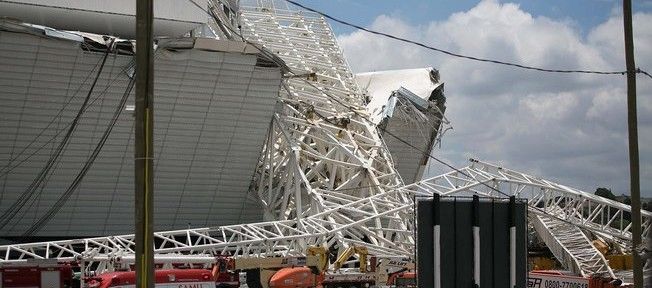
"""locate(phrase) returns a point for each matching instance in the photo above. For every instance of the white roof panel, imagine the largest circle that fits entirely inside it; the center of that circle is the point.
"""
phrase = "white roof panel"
(381, 84)
(114, 17)
(400, 102)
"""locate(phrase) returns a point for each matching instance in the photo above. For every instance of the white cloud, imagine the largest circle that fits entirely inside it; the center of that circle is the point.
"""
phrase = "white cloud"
(570, 128)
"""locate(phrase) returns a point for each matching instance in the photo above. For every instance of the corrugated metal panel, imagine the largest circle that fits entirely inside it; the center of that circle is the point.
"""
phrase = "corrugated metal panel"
(212, 113)
(400, 103)
(409, 125)
(380, 85)
(115, 17)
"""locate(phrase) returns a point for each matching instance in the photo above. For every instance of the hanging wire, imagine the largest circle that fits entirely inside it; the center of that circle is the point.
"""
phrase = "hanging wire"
(8, 215)
(56, 135)
(266, 53)
(638, 70)
(61, 201)
(473, 58)
(52, 121)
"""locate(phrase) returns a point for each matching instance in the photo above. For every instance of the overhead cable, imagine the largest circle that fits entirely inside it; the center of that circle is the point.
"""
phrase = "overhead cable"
(346, 105)
(429, 155)
(61, 201)
(52, 121)
(53, 137)
(8, 215)
(473, 58)
(638, 70)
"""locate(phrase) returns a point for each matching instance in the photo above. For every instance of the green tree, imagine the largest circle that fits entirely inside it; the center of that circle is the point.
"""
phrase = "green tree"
(606, 193)
(627, 201)
(648, 207)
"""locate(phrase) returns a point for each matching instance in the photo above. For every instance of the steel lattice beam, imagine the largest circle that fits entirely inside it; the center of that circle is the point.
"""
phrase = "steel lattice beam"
(325, 176)
(570, 246)
(322, 152)
(286, 238)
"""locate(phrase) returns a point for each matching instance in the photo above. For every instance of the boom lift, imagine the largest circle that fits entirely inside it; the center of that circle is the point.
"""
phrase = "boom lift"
(261, 272)
(396, 272)
(392, 271)
(320, 252)
(348, 252)
(363, 278)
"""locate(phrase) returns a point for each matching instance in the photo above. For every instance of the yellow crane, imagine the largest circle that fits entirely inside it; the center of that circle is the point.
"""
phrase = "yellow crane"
(348, 252)
(320, 252)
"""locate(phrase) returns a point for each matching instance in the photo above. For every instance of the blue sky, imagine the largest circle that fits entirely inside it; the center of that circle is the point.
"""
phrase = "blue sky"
(582, 13)
(571, 129)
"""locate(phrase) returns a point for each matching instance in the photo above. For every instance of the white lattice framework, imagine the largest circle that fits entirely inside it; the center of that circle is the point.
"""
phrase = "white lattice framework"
(326, 178)
(288, 237)
(320, 154)
(561, 215)
(570, 246)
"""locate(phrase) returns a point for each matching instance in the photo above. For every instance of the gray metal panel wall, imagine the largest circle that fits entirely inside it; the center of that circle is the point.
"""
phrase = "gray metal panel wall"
(408, 124)
(457, 243)
(212, 111)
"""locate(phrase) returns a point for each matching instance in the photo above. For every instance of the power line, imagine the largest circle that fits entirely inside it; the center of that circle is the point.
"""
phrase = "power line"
(346, 105)
(65, 105)
(8, 215)
(87, 165)
(8, 170)
(473, 58)
(521, 66)
(638, 70)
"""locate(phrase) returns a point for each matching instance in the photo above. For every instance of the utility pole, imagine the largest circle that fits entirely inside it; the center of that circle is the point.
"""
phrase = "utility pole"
(633, 142)
(144, 145)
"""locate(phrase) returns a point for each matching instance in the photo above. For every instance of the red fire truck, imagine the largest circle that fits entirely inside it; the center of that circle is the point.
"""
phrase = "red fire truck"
(169, 278)
(45, 276)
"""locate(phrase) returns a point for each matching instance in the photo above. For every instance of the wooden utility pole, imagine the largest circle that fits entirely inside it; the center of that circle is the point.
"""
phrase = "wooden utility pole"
(633, 141)
(144, 144)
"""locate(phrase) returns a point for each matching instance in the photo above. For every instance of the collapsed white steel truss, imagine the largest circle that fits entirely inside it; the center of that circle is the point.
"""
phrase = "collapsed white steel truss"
(326, 178)
(570, 246)
(322, 152)
(559, 214)
(290, 237)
